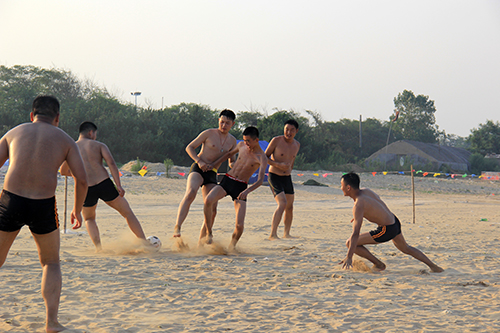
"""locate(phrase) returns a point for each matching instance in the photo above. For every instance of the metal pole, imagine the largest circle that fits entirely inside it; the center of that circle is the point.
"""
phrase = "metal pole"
(413, 191)
(65, 200)
(360, 128)
(386, 145)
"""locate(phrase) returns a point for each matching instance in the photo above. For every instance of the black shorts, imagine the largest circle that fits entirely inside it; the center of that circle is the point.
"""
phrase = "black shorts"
(233, 186)
(105, 191)
(280, 184)
(209, 177)
(385, 233)
(40, 215)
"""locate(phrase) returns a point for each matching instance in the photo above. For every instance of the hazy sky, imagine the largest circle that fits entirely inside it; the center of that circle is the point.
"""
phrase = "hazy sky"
(342, 59)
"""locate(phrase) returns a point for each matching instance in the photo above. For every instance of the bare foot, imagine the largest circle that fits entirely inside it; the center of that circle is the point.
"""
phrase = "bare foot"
(273, 237)
(232, 246)
(378, 268)
(53, 327)
(180, 245)
(289, 236)
(177, 231)
(436, 269)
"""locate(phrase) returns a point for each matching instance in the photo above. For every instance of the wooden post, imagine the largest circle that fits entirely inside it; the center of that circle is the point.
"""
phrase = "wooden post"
(413, 192)
(65, 200)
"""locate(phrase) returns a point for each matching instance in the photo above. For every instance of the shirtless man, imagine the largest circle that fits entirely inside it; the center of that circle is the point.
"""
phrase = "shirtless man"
(214, 142)
(368, 205)
(100, 185)
(235, 183)
(36, 150)
(281, 154)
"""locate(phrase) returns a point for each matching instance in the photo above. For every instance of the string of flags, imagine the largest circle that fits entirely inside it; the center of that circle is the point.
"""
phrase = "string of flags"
(433, 174)
(144, 171)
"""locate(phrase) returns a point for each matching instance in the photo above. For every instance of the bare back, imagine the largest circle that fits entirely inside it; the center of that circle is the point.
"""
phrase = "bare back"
(247, 163)
(282, 151)
(92, 152)
(374, 209)
(36, 151)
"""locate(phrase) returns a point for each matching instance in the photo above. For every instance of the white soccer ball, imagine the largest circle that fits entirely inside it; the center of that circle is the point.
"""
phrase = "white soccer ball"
(155, 241)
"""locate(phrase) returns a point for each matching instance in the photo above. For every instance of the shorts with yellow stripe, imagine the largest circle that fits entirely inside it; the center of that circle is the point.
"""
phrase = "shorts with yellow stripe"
(385, 233)
(209, 177)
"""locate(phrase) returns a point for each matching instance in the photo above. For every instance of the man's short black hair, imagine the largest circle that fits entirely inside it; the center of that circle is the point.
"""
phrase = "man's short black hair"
(87, 126)
(228, 113)
(351, 179)
(45, 105)
(292, 122)
(252, 132)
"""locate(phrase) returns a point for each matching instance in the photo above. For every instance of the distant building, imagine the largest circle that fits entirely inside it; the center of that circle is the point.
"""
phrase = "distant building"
(401, 154)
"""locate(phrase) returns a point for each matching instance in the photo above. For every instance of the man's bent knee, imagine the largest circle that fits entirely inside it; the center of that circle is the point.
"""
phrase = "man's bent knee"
(190, 195)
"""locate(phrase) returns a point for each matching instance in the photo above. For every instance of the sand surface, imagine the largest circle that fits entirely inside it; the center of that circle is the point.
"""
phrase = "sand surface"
(293, 285)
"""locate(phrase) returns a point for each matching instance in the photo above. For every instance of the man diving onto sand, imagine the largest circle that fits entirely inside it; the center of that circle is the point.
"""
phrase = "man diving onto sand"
(368, 205)
(235, 184)
(214, 143)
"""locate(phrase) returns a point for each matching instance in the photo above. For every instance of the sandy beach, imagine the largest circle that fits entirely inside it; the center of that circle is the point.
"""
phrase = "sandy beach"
(292, 285)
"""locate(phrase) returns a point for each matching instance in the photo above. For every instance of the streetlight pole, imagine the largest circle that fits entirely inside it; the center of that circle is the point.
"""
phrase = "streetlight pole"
(136, 93)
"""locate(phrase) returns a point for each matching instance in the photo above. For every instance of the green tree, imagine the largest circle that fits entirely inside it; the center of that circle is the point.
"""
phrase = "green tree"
(479, 163)
(416, 119)
(486, 138)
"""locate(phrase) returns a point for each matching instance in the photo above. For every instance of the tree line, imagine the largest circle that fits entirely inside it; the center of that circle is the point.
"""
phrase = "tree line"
(157, 134)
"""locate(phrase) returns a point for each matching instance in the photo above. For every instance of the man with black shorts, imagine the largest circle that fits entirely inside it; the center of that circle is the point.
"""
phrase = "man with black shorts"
(101, 186)
(35, 151)
(368, 205)
(281, 153)
(214, 143)
(235, 184)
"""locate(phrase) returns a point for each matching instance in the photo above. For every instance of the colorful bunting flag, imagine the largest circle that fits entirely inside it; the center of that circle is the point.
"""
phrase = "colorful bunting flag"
(182, 173)
(300, 174)
(425, 174)
(374, 173)
(316, 174)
